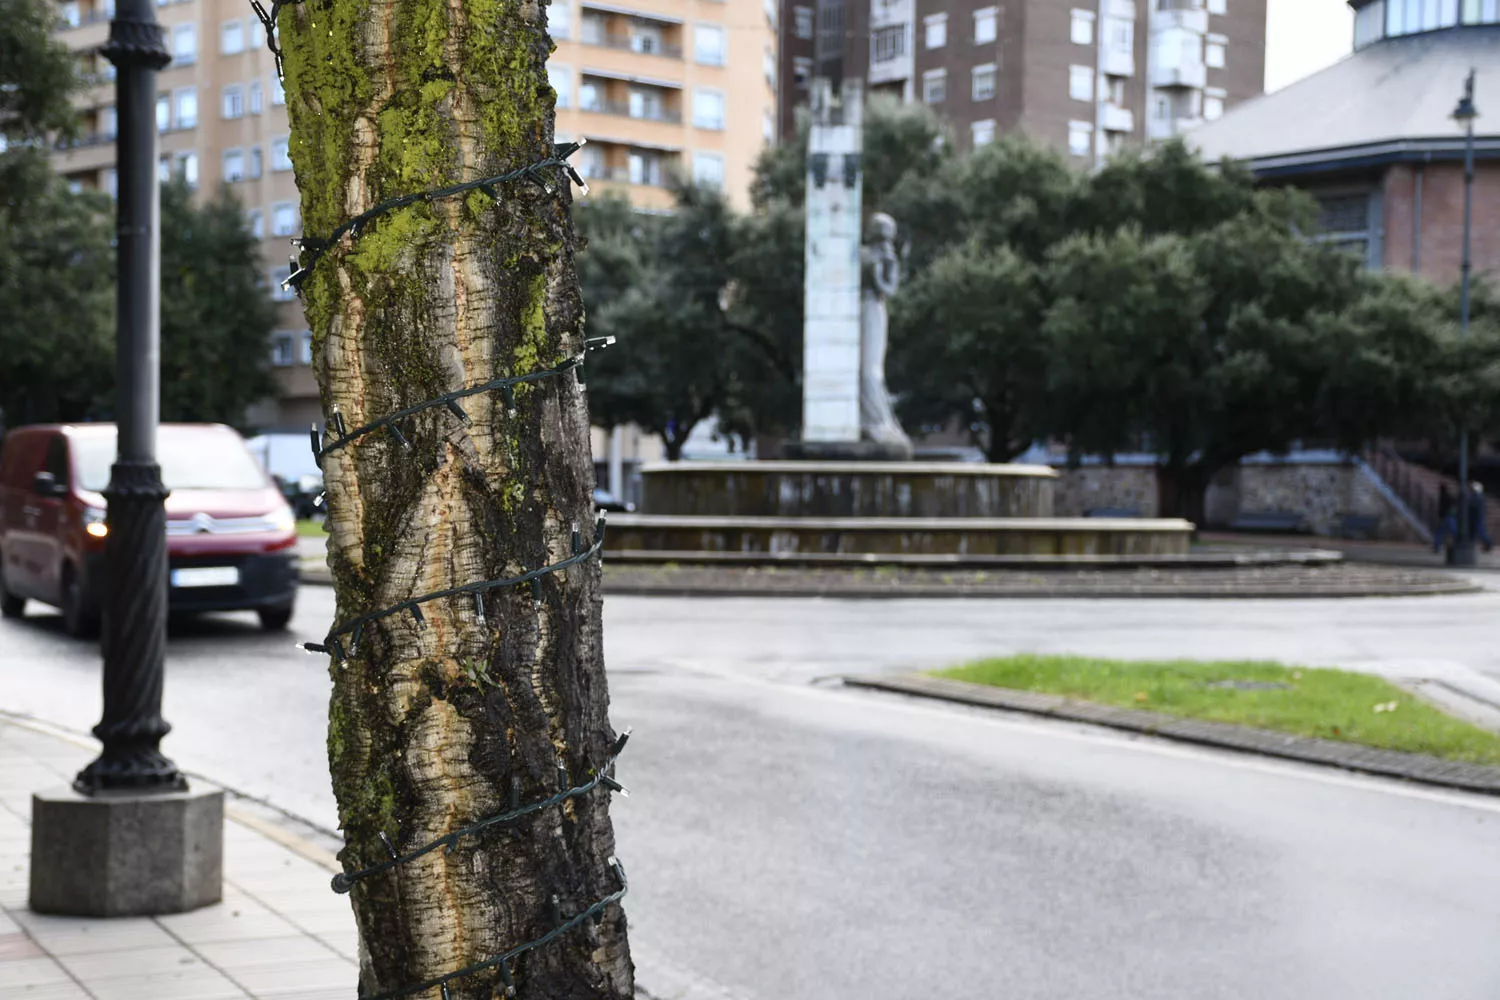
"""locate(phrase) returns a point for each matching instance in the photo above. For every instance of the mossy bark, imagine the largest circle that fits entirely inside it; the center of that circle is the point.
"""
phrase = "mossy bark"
(431, 727)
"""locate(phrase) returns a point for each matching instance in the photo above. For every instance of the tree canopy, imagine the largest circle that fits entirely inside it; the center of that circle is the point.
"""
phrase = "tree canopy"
(1156, 304)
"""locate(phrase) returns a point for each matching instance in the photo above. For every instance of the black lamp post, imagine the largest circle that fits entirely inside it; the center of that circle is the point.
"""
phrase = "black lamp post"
(135, 549)
(1462, 553)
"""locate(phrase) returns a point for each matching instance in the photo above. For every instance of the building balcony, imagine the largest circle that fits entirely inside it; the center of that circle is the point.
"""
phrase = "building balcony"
(622, 109)
(90, 34)
(1117, 62)
(639, 44)
(1160, 129)
(1113, 118)
(83, 141)
(1190, 75)
(1195, 21)
(92, 156)
(1120, 8)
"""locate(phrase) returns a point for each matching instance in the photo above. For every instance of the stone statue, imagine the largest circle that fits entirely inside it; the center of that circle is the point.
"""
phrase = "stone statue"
(881, 273)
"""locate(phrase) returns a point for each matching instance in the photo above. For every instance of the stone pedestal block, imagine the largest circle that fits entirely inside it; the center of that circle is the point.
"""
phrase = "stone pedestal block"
(115, 855)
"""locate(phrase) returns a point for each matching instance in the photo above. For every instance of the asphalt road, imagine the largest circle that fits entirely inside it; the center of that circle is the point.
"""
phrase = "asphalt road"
(793, 840)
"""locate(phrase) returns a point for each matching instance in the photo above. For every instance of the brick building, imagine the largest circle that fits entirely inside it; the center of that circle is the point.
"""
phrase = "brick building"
(1373, 139)
(1086, 76)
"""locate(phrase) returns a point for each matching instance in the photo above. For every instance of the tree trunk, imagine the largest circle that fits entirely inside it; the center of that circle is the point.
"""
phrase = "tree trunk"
(1182, 490)
(439, 722)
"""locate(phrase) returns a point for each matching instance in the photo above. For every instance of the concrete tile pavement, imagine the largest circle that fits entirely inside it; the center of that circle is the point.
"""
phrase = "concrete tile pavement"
(279, 933)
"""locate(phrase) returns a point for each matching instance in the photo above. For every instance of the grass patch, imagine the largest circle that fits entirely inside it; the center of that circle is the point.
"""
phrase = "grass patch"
(1328, 704)
(310, 529)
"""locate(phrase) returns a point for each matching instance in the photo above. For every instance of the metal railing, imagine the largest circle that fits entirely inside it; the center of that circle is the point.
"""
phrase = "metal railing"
(624, 110)
(640, 44)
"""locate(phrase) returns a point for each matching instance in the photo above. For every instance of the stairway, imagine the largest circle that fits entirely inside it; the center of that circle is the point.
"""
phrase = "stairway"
(1418, 487)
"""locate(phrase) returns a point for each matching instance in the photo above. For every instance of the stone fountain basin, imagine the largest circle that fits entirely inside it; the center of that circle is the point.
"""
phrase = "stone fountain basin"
(848, 489)
(957, 536)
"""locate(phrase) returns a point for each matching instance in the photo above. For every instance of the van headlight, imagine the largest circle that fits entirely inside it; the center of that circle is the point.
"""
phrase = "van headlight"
(93, 522)
(281, 520)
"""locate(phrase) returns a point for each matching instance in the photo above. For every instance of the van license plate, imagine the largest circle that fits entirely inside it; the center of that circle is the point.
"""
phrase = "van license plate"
(206, 576)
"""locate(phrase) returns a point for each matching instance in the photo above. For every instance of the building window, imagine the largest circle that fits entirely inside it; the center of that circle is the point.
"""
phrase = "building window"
(646, 38)
(982, 82)
(283, 218)
(281, 158)
(589, 98)
(708, 170)
(109, 180)
(187, 107)
(561, 78)
(254, 162)
(283, 342)
(234, 165)
(768, 68)
(256, 100)
(982, 133)
(185, 44)
(164, 169)
(1081, 83)
(888, 43)
(770, 7)
(1213, 108)
(257, 34)
(984, 26)
(1475, 12)
(1213, 55)
(935, 86)
(256, 223)
(646, 102)
(708, 109)
(560, 19)
(802, 22)
(708, 44)
(109, 122)
(1080, 138)
(1083, 27)
(935, 31)
(594, 29)
(187, 168)
(307, 347)
(234, 101)
(645, 167)
(278, 93)
(231, 38)
(591, 163)
(163, 113)
(768, 126)
(70, 13)
(802, 67)
(1218, 7)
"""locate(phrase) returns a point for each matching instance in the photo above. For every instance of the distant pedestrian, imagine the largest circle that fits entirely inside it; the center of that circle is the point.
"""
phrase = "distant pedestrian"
(1447, 519)
(1479, 529)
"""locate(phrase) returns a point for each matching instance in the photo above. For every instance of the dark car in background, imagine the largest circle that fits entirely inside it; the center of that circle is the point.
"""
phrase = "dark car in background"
(231, 538)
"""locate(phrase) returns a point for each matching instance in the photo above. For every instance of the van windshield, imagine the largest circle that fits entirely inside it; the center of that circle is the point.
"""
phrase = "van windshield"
(191, 459)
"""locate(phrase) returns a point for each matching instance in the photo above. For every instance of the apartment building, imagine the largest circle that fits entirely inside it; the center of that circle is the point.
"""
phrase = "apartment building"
(658, 87)
(1087, 76)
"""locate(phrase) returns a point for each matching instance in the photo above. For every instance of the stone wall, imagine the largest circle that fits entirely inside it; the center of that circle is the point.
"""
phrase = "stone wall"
(1095, 487)
(1320, 491)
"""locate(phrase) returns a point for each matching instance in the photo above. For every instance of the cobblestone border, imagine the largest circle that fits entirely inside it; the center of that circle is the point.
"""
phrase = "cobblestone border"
(1329, 753)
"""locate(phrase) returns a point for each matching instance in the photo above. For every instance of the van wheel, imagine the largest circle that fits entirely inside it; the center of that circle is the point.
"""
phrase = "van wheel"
(80, 616)
(11, 606)
(275, 619)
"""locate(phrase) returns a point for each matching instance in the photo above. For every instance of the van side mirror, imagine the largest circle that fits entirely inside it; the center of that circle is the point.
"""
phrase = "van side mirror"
(44, 484)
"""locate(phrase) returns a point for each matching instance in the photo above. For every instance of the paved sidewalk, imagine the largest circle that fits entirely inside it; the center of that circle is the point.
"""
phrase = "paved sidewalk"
(279, 933)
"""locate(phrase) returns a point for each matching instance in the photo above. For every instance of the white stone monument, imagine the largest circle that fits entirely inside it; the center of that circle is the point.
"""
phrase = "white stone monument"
(830, 351)
(846, 411)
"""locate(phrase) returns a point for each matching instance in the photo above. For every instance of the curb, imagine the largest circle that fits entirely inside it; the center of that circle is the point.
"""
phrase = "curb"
(1328, 753)
(1448, 587)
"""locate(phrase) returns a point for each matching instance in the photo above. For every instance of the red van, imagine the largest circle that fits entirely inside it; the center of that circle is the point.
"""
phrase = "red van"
(231, 539)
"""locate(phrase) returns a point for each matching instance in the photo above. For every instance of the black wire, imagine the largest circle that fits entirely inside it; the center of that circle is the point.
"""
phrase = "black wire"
(520, 949)
(268, 21)
(344, 881)
(314, 248)
(592, 344)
